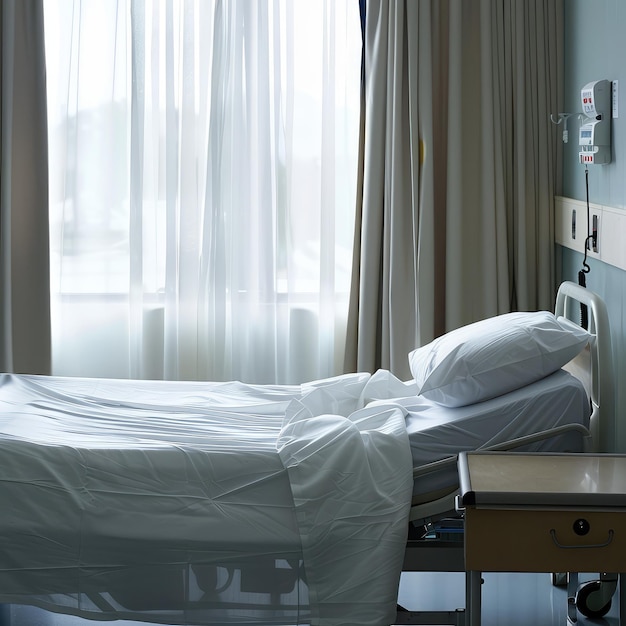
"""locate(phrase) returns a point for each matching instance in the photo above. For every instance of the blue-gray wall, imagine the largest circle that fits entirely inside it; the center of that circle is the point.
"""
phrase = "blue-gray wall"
(595, 48)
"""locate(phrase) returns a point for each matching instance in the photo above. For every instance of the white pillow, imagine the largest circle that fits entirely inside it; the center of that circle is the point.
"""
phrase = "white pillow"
(494, 356)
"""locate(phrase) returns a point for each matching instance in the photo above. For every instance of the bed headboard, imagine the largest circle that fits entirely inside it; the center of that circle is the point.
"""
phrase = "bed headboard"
(594, 366)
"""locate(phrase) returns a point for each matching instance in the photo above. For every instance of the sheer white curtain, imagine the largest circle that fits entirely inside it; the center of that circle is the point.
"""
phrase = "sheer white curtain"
(203, 174)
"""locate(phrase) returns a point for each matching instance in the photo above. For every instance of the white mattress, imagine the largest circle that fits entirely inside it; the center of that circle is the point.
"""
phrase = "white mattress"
(229, 503)
(437, 432)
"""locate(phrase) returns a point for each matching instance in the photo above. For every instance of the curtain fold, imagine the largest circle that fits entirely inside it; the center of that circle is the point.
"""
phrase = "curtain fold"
(24, 243)
(460, 167)
(204, 187)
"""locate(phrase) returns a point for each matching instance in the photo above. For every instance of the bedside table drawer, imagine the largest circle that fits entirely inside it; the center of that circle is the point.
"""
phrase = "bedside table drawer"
(518, 540)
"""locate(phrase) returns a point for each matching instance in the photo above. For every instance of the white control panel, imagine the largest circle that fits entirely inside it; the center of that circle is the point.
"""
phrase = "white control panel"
(594, 136)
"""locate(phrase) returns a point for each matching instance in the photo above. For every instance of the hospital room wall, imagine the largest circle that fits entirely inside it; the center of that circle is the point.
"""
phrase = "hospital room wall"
(595, 48)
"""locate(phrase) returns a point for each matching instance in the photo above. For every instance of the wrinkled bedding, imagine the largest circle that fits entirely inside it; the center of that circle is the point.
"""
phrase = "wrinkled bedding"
(195, 502)
(202, 502)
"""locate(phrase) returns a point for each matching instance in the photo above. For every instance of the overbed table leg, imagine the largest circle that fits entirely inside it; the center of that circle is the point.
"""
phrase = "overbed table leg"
(572, 586)
(473, 597)
(622, 598)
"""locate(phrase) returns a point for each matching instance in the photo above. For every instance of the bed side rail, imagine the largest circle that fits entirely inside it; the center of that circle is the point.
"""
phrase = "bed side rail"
(518, 442)
(445, 504)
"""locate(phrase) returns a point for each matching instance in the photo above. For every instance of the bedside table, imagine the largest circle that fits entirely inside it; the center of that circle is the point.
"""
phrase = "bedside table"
(543, 513)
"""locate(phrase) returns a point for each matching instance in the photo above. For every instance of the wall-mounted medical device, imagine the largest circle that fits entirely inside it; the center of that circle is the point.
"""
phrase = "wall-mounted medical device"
(594, 136)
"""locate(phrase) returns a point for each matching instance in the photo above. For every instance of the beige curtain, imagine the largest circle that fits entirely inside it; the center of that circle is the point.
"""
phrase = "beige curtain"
(24, 263)
(459, 170)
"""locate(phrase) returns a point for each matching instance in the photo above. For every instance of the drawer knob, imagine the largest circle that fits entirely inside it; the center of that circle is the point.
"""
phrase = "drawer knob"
(581, 526)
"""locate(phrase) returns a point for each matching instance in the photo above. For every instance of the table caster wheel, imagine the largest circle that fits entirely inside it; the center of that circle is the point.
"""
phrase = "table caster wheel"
(590, 600)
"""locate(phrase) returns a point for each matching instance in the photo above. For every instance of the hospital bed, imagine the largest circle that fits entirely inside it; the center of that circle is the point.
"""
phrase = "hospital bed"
(220, 503)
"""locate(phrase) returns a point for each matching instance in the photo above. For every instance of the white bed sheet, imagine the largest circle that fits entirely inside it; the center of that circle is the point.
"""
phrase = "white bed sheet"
(202, 503)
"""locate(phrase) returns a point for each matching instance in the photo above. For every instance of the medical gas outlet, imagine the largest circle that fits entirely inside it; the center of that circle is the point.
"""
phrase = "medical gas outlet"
(595, 132)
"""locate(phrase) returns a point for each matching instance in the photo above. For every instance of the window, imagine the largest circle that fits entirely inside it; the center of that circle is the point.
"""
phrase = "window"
(202, 182)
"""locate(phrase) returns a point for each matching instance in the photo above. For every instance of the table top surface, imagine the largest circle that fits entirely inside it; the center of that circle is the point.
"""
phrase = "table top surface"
(548, 479)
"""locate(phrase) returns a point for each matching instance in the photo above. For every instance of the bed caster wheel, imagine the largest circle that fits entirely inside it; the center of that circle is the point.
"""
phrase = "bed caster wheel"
(590, 600)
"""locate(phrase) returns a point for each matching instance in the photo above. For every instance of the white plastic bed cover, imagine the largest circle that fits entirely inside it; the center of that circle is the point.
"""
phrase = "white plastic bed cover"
(197, 503)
